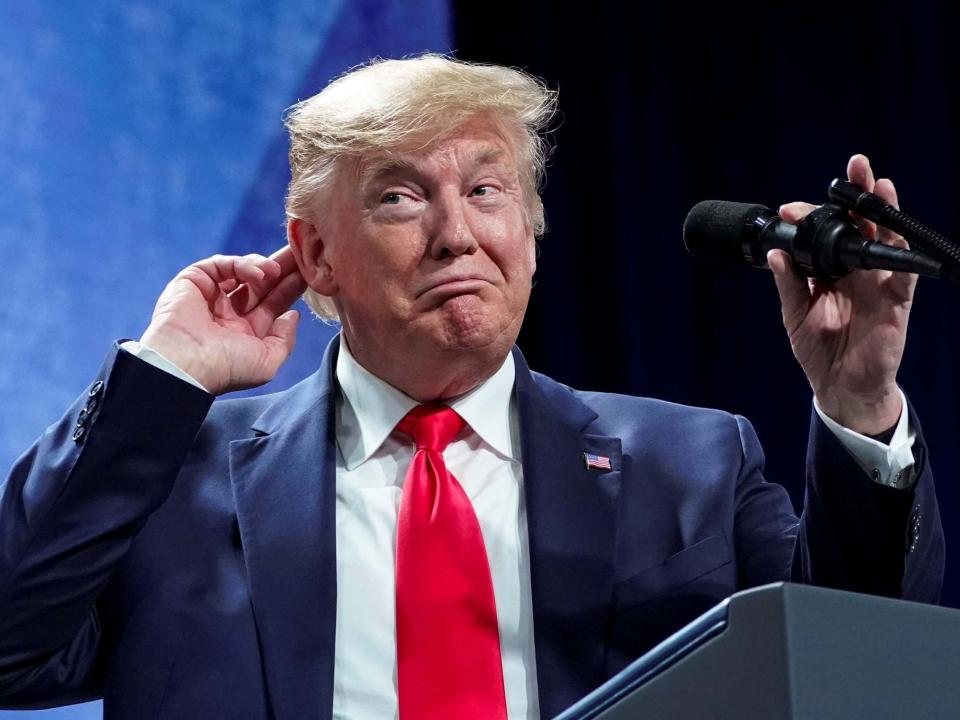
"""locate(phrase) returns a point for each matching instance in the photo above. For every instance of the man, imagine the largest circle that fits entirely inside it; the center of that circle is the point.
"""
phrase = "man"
(252, 558)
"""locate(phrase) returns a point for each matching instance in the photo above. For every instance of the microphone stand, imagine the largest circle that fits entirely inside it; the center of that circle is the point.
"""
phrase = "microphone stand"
(872, 207)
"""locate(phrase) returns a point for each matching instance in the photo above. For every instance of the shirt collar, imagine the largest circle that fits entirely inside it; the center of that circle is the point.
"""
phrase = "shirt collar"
(370, 408)
(488, 410)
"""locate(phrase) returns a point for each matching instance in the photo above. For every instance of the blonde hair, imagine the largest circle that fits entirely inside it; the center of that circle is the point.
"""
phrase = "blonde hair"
(389, 106)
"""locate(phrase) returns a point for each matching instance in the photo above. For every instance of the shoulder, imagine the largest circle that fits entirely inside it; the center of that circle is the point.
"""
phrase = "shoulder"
(241, 410)
(653, 421)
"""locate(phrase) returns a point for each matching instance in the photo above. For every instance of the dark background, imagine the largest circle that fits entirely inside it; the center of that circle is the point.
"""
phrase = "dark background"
(665, 104)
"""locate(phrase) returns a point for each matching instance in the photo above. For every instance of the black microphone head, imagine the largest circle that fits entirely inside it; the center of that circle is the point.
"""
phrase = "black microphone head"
(715, 230)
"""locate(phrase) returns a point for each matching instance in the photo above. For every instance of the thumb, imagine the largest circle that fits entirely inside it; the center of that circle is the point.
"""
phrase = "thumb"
(285, 328)
(792, 288)
(282, 336)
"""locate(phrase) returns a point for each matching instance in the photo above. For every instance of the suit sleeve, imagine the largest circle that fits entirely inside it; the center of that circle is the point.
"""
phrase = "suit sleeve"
(858, 535)
(69, 510)
(765, 524)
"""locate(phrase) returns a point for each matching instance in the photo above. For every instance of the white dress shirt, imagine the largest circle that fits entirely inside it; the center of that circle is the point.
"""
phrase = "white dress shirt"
(371, 465)
(887, 464)
(485, 457)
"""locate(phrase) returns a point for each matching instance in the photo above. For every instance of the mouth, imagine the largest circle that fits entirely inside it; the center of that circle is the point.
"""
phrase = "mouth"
(462, 285)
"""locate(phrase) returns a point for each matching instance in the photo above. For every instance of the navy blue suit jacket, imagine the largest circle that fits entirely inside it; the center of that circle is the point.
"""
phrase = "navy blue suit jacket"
(178, 558)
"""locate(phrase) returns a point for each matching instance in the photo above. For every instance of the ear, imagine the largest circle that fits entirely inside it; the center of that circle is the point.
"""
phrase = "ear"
(309, 251)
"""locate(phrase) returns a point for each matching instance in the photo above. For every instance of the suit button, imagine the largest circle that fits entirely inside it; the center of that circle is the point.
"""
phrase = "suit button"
(82, 417)
(92, 404)
(913, 530)
(79, 433)
(96, 389)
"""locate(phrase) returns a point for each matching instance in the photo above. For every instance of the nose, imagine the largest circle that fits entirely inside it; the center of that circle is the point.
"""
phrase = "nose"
(451, 235)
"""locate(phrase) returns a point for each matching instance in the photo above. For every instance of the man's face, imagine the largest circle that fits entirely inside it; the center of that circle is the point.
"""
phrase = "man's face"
(433, 253)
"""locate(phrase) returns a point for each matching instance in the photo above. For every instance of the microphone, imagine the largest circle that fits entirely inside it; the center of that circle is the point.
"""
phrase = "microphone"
(825, 245)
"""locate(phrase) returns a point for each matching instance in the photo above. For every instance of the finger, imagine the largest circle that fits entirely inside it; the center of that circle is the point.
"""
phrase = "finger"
(227, 267)
(222, 275)
(885, 190)
(280, 264)
(793, 289)
(796, 211)
(860, 173)
(245, 296)
(276, 302)
(249, 296)
(285, 259)
(280, 340)
(228, 286)
(902, 284)
(208, 287)
(867, 228)
(270, 267)
(284, 327)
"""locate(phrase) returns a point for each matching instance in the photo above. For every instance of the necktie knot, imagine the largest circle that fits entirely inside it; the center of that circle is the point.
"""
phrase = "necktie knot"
(432, 427)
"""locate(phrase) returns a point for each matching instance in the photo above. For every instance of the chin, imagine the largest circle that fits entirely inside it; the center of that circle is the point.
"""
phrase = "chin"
(465, 323)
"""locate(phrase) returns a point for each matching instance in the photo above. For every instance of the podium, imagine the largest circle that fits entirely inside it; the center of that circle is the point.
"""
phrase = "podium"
(794, 652)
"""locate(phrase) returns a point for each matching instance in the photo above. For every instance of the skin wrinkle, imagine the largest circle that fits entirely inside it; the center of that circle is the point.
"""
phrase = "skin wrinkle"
(434, 254)
(409, 106)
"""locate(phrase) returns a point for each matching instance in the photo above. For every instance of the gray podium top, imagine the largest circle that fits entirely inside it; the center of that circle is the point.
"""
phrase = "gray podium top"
(798, 653)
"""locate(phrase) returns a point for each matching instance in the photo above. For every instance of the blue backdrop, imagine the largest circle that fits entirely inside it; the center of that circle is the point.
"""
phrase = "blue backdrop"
(137, 137)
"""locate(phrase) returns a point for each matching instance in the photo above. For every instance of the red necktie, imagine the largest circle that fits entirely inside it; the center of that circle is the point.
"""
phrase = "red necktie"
(448, 645)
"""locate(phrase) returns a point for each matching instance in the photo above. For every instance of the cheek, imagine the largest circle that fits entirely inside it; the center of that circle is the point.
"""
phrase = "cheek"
(380, 268)
(514, 244)
(517, 258)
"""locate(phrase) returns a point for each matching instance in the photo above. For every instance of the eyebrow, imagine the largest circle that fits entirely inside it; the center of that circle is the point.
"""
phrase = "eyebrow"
(490, 156)
(372, 173)
(387, 166)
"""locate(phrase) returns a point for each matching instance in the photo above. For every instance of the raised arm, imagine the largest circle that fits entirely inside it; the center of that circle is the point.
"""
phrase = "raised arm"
(73, 504)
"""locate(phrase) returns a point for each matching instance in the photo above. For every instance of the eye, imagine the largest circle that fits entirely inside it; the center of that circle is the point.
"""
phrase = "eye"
(484, 190)
(391, 198)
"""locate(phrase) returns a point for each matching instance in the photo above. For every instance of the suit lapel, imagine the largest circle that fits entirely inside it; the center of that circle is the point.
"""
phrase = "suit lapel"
(284, 487)
(285, 493)
(572, 528)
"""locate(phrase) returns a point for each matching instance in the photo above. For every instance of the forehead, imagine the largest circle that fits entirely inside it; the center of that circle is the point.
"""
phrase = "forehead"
(474, 144)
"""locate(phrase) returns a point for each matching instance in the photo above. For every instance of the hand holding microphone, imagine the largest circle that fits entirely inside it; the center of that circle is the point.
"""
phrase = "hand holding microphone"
(847, 329)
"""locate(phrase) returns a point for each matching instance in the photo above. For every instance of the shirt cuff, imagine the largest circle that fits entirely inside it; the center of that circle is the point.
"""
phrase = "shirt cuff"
(887, 464)
(149, 355)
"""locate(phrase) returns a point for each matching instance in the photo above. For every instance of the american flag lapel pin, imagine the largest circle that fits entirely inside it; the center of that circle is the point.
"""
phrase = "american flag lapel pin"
(596, 462)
